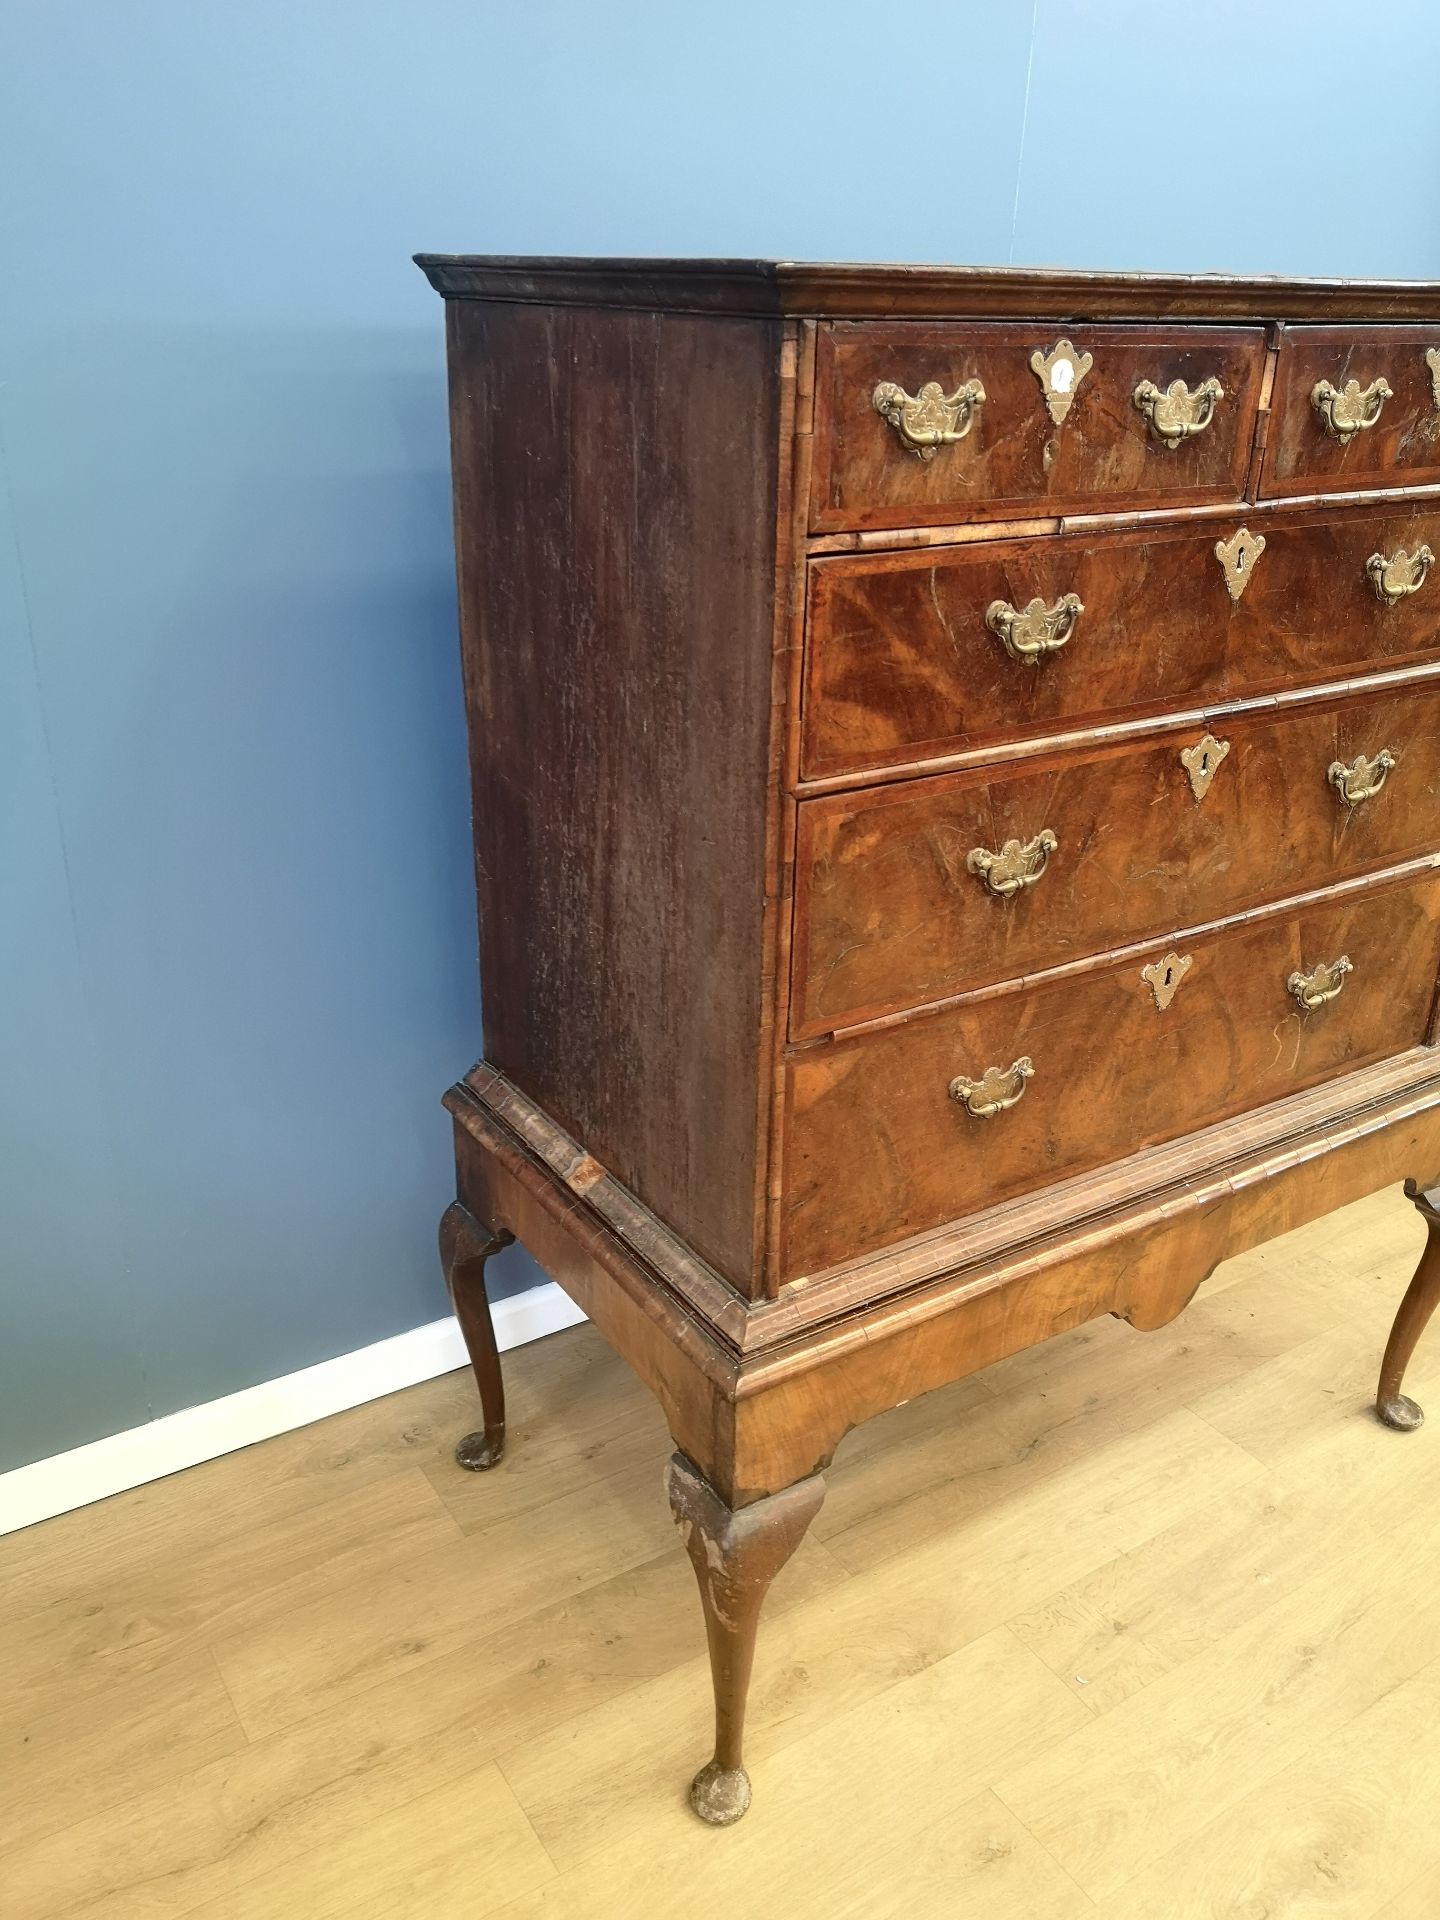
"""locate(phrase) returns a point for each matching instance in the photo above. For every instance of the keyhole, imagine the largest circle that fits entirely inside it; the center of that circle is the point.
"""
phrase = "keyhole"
(1169, 975)
(1205, 762)
(1240, 560)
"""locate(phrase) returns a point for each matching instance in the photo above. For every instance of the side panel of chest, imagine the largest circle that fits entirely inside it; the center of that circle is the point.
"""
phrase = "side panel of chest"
(617, 479)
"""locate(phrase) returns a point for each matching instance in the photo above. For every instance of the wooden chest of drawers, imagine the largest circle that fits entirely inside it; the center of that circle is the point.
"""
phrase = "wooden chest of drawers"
(956, 767)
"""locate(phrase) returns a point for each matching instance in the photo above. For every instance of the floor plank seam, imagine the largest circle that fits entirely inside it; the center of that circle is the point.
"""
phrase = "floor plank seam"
(1090, 1903)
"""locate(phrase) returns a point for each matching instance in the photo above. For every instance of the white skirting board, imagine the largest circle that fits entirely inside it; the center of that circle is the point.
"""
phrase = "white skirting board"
(122, 1460)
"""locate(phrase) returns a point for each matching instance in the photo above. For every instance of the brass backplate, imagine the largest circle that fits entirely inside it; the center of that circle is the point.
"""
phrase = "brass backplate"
(1060, 372)
(1201, 762)
(1163, 976)
(1237, 557)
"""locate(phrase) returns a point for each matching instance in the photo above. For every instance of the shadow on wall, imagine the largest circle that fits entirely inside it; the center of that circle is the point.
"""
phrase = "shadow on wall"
(236, 556)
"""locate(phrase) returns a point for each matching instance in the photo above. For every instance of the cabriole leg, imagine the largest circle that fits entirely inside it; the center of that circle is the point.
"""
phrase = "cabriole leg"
(735, 1555)
(1395, 1408)
(465, 1246)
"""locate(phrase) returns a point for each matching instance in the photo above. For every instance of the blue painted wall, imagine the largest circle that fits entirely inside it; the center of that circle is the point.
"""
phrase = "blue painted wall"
(236, 949)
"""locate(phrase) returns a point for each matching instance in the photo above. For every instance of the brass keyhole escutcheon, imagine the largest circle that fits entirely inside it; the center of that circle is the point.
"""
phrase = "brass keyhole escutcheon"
(1237, 557)
(1163, 977)
(1060, 372)
(1202, 761)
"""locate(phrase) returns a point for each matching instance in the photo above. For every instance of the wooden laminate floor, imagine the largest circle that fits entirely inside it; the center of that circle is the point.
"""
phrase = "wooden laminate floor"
(1143, 1626)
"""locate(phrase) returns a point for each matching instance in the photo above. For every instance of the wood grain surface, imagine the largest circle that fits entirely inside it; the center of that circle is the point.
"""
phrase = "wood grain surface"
(772, 287)
(1404, 444)
(1015, 458)
(878, 1150)
(616, 498)
(1065, 1581)
(902, 665)
(889, 916)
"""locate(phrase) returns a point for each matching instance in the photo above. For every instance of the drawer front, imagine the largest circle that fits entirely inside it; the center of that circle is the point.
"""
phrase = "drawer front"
(1354, 407)
(878, 1148)
(914, 892)
(902, 665)
(877, 461)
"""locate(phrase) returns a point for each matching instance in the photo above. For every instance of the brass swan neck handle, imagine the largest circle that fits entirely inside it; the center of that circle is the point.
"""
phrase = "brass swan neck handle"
(932, 418)
(1401, 574)
(1321, 984)
(997, 1089)
(1351, 409)
(1362, 779)
(1017, 865)
(1174, 412)
(1029, 633)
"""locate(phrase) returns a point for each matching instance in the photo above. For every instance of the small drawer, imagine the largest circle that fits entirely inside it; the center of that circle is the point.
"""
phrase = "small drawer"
(919, 425)
(1353, 407)
(914, 892)
(895, 1131)
(911, 656)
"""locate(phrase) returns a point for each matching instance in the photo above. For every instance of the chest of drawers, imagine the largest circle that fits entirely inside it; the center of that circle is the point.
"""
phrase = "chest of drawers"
(956, 764)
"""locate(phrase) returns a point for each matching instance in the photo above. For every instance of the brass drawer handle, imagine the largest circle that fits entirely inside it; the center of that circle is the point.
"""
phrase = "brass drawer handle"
(1348, 410)
(995, 1090)
(1031, 632)
(1362, 779)
(1177, 414)
(931, 418)
(1321, 984)
(1432, 365)
(1018, 864)
(1403, 573)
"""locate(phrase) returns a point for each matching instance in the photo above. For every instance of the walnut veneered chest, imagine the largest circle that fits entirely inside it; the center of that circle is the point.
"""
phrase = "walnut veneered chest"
(956, 766)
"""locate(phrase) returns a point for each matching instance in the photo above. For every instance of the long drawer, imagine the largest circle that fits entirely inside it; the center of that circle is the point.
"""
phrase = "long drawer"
(922, 423)
(915, 655)
(897, 1130)
(911, 892)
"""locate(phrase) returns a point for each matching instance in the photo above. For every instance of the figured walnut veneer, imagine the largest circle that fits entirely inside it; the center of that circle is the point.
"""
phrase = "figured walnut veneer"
(933, 890)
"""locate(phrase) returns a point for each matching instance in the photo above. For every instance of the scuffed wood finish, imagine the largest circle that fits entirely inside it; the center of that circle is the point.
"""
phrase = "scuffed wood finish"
(491, 1115)
(1422, 1297)
(1076, 1496)
(902, 666)
(1014, 459)
(736, 722)
(465, 1246)
(849, 290)
(616, 491)
(877, 1149)
(755, 1423)
(889, 916)
(735, 1557)
(1403, 445)
(1094, 1208)
(1143, 1266)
